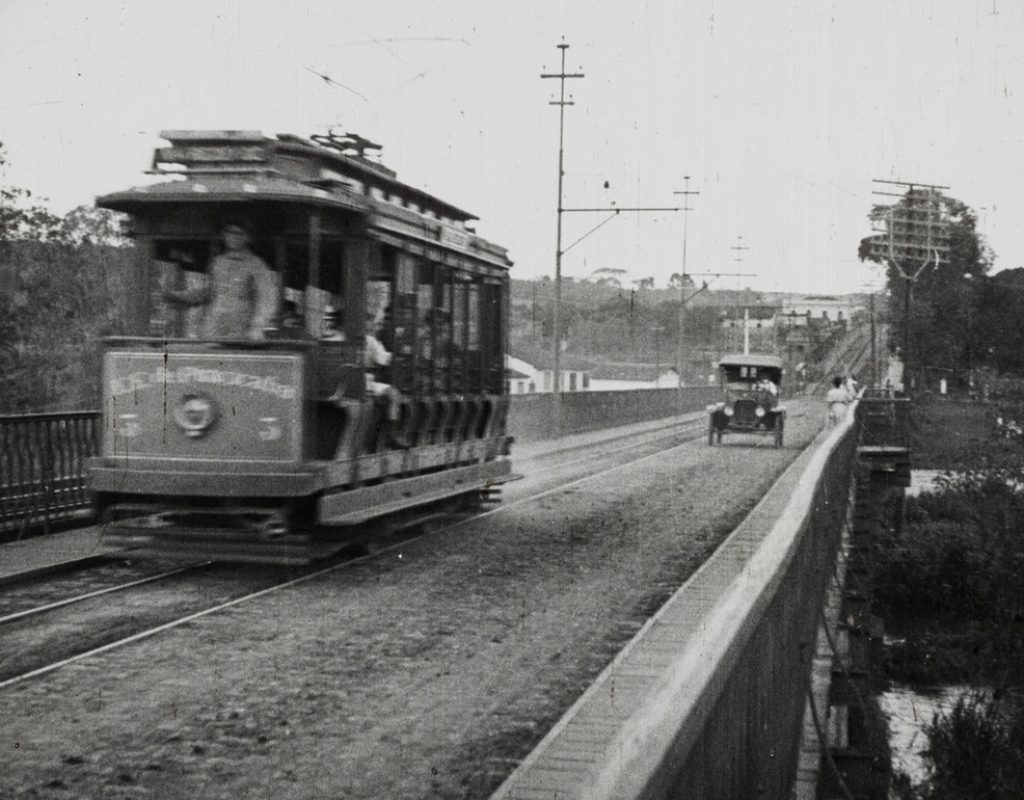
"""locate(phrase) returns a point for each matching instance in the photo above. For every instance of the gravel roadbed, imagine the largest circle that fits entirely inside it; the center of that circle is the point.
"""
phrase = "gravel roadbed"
(429, 670)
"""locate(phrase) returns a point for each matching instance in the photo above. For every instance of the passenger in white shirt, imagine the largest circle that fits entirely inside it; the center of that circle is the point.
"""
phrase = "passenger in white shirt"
(376, 356)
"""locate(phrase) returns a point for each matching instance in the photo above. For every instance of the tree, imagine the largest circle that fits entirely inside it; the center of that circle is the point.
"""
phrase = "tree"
(678, 281)
(60, 278)
(608, 276)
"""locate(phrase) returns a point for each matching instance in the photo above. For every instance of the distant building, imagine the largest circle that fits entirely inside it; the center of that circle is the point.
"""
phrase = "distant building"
(623, 377)
(521, 377)
(827, 307)
(524, 378)
(759, 316)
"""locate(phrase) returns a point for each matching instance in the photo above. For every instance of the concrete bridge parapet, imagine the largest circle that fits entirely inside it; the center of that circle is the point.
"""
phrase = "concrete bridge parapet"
(709, 698)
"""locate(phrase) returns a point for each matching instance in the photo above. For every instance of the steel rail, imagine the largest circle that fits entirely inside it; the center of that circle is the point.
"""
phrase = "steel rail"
(99, 592)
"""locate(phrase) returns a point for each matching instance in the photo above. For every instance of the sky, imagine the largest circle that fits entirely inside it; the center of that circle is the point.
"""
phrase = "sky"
(782, 114)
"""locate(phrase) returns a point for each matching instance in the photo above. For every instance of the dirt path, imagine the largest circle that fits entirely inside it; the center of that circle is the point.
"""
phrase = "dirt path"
(427, 672)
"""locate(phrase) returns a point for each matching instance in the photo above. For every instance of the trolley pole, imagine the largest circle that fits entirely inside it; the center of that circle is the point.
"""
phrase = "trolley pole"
(556, 387)
(682, 278)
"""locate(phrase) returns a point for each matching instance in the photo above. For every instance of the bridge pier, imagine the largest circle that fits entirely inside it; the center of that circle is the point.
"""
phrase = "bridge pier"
(842, 727)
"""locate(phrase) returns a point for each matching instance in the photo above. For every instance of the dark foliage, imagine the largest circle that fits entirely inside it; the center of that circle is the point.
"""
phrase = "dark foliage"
(976, 751)
(60, 278)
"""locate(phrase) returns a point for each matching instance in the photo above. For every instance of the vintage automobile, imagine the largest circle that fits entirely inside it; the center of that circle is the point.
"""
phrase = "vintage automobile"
(750, 402)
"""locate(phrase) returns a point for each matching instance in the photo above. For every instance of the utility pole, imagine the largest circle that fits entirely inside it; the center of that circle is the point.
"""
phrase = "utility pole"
(738, 248)
(874, 354)
(656, 330)
(556, 388)
(682, 278)
(713, 276)
(915, 232)
(556, 408)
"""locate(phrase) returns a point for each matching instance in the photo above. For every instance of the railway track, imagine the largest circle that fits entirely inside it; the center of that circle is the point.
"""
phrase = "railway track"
(28, 653)
(450, 653)
(33, 610)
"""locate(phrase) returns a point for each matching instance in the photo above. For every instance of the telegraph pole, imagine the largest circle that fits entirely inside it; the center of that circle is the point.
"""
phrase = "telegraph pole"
(738, 248)
(682, 278)
(556, 376)
(556, 407)
(918, 233)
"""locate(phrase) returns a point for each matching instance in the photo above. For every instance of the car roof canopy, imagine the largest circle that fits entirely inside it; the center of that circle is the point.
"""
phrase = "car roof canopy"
(750, 360)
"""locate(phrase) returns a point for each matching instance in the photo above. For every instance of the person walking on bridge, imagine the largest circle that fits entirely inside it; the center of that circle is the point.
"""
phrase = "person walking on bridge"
(837, 399)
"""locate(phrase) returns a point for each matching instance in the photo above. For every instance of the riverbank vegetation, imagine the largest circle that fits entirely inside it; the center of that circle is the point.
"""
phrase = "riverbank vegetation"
(950, 586)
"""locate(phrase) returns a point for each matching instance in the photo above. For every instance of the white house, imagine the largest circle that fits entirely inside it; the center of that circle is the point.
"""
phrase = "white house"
(623, 377)
(524, 378)
(830, 307)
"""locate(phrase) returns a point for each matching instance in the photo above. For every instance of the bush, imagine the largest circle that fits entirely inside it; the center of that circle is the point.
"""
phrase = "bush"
(961, 553)
(976, 751)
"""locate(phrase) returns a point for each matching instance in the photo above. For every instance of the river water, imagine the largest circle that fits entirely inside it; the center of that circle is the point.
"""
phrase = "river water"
(909, 711)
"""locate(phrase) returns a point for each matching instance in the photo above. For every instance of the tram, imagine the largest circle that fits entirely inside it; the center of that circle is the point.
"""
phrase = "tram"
(279, 446)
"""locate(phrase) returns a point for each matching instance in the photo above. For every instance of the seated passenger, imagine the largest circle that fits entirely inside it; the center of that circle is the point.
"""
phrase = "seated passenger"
(375, 358)
(240, 293)
(332, 329)
(293, 326)
(768, 392)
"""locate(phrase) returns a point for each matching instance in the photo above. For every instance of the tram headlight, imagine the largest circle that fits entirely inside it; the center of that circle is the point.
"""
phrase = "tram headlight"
(727, 411)
(195, 414)
(759, 412)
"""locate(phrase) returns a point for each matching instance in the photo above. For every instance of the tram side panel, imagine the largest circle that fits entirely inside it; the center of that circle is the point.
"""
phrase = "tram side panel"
(191, 421)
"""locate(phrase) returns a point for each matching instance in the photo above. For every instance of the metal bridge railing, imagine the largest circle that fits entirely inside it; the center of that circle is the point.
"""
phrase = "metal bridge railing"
(884, 420)
(42, 460)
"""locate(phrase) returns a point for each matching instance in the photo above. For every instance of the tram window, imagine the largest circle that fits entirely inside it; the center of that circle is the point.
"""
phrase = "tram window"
(459, 315)
(180, 264)
(473, 332)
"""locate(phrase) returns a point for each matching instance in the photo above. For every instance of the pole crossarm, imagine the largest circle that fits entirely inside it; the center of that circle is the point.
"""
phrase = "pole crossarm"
(911, 184)
(912, 230)
(603, 222)
(617, 209)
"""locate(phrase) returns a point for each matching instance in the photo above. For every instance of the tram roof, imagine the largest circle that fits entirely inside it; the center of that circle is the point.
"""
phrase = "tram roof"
(751, 360)
(211, 166)
(228, 188)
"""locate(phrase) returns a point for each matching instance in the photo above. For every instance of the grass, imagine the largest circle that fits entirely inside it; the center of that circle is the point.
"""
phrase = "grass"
(958, 434)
